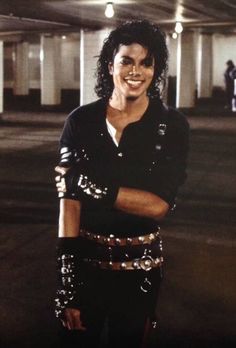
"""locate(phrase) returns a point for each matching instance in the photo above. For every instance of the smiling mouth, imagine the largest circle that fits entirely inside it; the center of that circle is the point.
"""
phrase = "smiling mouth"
(134, 83)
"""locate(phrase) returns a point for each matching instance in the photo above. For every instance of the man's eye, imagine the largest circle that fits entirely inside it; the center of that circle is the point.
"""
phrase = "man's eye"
(148, 62)
(125, 61)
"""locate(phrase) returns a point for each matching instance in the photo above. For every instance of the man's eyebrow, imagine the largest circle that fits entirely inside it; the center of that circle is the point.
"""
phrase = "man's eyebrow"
(127, 57)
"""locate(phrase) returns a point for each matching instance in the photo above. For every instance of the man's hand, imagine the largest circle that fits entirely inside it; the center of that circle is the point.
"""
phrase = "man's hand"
(60, 181)
(72, 319)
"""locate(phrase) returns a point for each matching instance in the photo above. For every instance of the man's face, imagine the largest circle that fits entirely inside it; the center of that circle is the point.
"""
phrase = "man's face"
(132, 71)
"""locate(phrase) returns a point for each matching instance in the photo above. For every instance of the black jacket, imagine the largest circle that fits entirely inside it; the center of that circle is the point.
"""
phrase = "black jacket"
(151, 156)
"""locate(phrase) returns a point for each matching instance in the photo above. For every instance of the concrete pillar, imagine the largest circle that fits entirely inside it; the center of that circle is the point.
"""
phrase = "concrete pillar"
(172, 48)
(50, 62)
(90, 46)
(21, 69)
(186, 79)
(172, 70)
(1, 77)
(205, 66)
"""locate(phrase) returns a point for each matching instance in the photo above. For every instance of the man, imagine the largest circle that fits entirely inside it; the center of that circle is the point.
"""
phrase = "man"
(229, 83)
(126, 155)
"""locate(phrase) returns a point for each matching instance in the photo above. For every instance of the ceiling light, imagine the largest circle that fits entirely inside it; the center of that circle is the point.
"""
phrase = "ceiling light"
(109, 12)
(174, 36)
(178, 27)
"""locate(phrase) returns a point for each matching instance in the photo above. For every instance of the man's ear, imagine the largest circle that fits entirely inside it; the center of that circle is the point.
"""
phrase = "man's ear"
(110, 68)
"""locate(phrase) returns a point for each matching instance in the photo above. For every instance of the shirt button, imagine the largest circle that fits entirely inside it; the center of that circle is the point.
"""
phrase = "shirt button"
(120, 154)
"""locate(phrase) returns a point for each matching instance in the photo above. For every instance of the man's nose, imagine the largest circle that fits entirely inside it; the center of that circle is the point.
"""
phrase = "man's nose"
(135, 69)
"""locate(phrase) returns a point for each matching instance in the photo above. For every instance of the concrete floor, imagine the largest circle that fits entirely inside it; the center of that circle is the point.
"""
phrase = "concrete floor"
(198, 299)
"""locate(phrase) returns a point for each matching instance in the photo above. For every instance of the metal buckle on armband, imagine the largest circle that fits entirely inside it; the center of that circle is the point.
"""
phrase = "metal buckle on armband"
(67, 156)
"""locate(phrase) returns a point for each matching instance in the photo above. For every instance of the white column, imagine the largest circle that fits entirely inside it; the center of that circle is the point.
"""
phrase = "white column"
(50, 62)
(21, 69)
(205, 66)
(90, 47)
(172, 48)
(172, 70)
(1, 76)
(186, 77)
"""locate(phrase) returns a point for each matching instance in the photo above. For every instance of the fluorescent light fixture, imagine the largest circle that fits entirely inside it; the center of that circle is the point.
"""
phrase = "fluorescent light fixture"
(109, 12)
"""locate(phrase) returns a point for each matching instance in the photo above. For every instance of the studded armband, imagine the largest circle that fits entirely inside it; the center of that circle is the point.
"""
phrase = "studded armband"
(69, 279)
(91, 187)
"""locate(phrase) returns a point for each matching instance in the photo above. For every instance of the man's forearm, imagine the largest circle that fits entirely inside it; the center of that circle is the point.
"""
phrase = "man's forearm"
(141, 203)
(69, 218)
(69, 272)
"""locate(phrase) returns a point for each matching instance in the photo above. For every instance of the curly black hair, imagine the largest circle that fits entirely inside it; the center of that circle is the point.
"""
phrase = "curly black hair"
(144, 33)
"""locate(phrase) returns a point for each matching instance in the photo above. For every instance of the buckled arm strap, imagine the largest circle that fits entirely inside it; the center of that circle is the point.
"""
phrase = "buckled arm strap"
(70, 275)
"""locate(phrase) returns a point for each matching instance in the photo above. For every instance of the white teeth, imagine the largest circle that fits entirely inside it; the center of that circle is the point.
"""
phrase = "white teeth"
(134, 83)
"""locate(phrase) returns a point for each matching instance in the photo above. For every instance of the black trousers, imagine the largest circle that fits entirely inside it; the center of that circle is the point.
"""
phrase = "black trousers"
(114, 298)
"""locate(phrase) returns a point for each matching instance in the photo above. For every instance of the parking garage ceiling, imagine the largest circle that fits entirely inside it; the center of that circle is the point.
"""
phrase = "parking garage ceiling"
(71, 15)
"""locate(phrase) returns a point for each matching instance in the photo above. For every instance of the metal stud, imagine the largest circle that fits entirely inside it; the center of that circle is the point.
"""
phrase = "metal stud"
(135, 264)
(129, 241)
(161, 129)
(123, 265)
(147, 263)
(110, 264)
(141, 239)
(151, 236)
(154, 324)
(117, 241)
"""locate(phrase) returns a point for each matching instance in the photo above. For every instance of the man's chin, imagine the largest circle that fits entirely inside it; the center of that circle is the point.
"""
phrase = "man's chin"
(132, 97)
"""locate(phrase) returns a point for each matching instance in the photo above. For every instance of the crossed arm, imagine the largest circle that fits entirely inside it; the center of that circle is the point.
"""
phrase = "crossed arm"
(129, 200)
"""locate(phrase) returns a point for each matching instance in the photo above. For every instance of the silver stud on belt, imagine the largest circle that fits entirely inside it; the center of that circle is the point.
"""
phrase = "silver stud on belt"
(112, 241)
(145, 263)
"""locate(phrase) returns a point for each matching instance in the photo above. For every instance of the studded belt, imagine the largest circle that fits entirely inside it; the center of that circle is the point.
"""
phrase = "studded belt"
(145, 263)
(111, 240)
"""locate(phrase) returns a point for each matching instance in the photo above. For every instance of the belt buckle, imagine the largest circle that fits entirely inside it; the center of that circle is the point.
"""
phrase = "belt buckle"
(146, 262)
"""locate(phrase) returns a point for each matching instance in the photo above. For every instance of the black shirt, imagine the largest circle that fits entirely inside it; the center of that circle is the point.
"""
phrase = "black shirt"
(151, 156)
